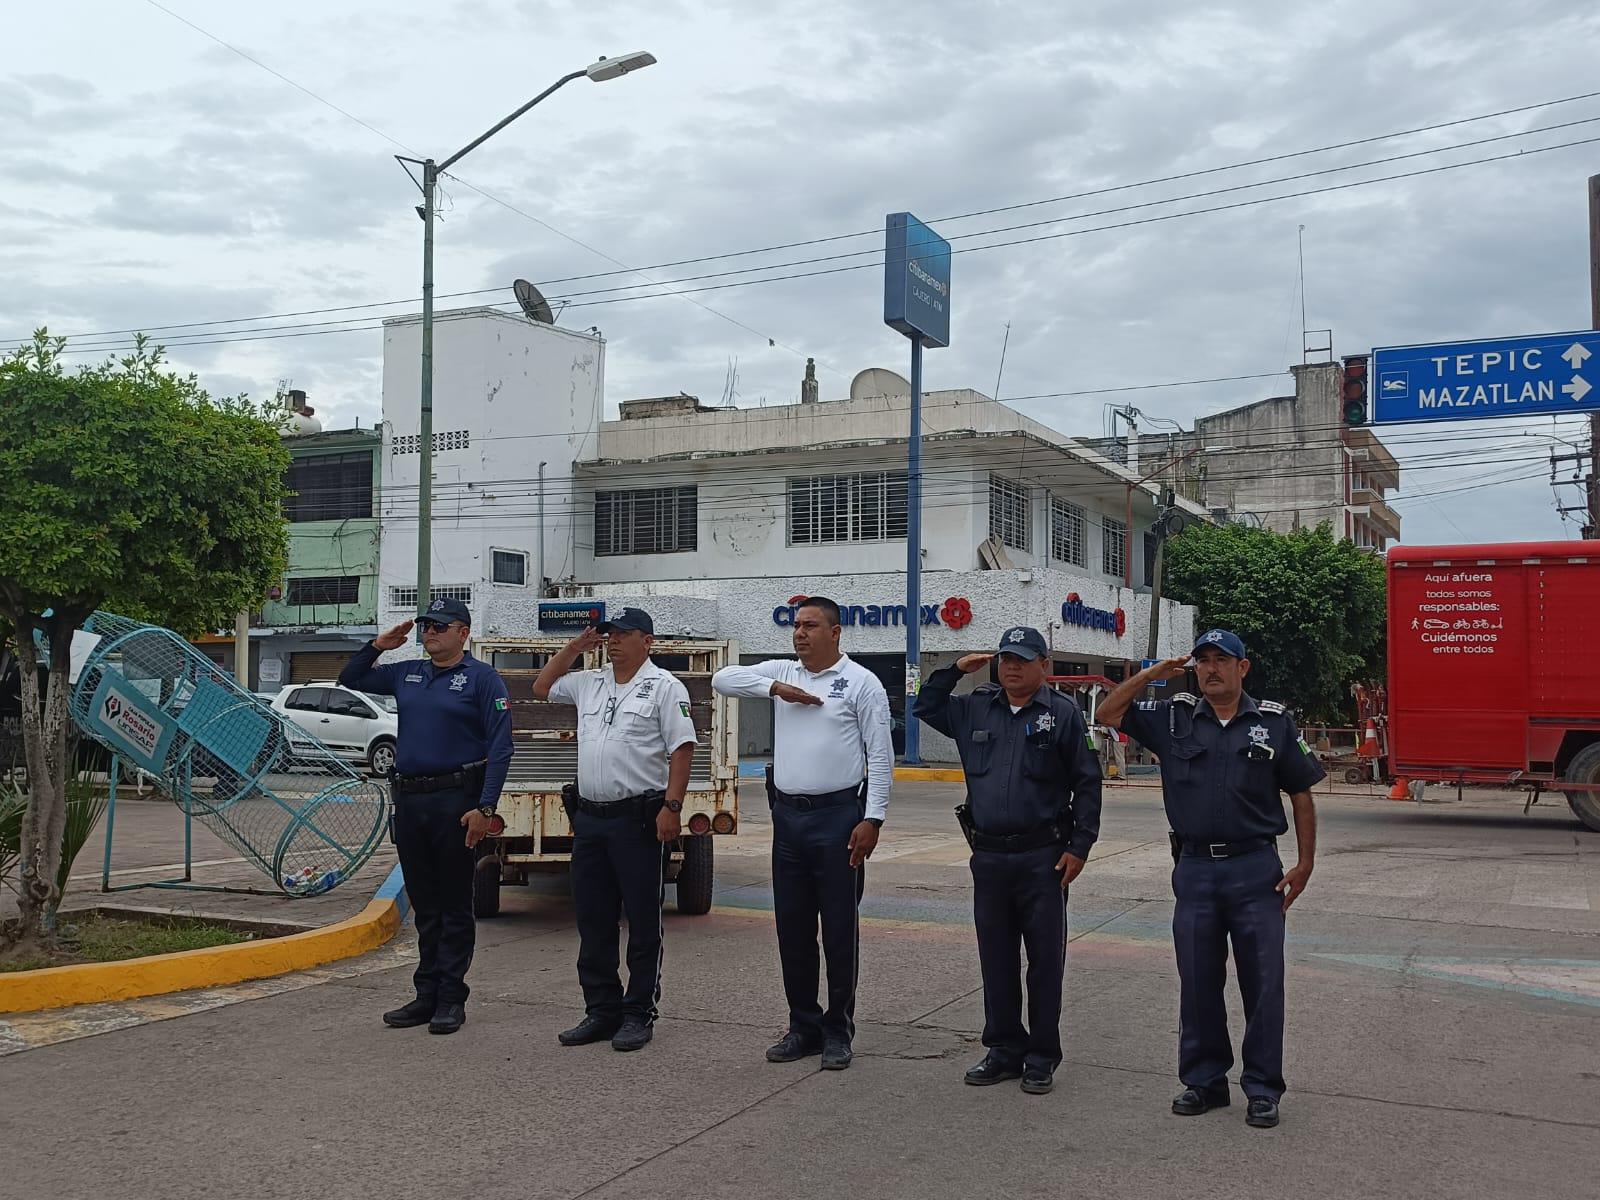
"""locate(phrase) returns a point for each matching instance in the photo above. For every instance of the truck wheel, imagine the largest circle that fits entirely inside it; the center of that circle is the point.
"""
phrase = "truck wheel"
(1353, 775)
(486, 881)
(694, 875)
(1585, 768)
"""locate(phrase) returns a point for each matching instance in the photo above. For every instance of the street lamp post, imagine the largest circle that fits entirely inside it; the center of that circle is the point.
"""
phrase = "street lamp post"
(599, 72)
(1127, 558)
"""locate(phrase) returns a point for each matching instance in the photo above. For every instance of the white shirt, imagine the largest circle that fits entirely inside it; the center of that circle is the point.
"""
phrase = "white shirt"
(829, 746)
(625, 755)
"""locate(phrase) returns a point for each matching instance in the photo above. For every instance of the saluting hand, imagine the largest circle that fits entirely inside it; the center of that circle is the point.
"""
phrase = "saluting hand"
(969, 663)
(794, 695)
(1070, 866)
(1170, 668)
(863, 841)
(394, 638)
(587, 640)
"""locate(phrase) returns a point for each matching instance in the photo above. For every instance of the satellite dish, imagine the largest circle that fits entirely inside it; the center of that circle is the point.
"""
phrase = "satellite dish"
(878, 382)
(534, 306)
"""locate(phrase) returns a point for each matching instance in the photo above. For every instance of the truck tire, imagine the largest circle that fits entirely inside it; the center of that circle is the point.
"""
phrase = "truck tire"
(694, 875)
(1585, 768)
(486, 881)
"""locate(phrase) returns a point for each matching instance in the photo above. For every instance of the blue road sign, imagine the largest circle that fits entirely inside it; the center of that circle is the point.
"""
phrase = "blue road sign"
(1504, 377)
(1145, 664)
(916, 281)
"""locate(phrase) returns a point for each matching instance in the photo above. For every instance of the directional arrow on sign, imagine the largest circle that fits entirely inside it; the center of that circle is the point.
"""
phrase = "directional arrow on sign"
(1578, 388)
(1576, 355)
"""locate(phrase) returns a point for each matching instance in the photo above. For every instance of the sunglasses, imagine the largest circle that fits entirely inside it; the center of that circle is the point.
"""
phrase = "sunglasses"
(436, 626)
(611, 711)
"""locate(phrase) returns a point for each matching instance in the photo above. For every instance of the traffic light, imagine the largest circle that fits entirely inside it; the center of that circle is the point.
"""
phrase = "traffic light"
(1354, 397)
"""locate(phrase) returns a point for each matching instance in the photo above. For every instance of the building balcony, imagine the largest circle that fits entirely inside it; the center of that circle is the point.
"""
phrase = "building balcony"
(1370, 507)
(1374, 457)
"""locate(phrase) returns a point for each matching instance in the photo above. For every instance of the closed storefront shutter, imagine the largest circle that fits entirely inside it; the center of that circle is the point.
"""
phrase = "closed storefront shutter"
(311, 665)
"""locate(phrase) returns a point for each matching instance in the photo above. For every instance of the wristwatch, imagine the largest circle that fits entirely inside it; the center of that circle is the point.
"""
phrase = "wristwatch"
(877, 822)
(487, 810)
(674, 806)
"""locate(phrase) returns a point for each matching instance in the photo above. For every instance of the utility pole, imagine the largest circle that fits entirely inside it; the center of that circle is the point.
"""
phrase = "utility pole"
(1593, 528)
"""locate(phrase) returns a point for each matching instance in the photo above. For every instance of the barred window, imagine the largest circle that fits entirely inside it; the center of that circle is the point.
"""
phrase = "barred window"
(646, 521)
(328, 487)
(411, 443)
(324, 589)
(870, 507)
(1008, 513)
(511, 566)
(1114, 548)
(406, 597)
(1068, 525)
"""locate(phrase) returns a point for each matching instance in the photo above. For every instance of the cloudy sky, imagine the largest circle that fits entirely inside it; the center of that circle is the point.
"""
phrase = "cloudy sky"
(157, 178)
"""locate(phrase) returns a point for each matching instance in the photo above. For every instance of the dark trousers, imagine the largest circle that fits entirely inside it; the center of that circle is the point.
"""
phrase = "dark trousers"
(812, 881)
(1219, 900)
(617, 869)
(1017, 901)
(438, 872)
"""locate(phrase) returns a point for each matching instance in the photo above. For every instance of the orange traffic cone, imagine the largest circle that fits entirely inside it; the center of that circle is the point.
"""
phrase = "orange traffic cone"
(1400, 791)
(1369, 742)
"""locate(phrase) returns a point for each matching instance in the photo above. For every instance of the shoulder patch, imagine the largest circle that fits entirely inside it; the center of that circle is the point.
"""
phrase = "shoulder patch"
(1147, 705)
(1186, 698)
(1269, 706)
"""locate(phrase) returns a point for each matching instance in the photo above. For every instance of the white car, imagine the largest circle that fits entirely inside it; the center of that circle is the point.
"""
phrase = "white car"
(356, 726)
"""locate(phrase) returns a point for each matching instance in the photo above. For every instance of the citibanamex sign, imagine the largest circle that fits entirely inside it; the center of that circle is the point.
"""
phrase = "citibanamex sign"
(1076, 612)
(954, 613)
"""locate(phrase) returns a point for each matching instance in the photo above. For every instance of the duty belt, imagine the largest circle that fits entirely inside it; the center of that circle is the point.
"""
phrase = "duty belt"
(644, 804)
(848, 795)
(1007, 843)
(1219, 849)
(467, 775)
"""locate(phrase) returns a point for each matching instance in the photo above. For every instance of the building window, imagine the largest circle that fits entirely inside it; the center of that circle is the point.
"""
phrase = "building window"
(328, 487)
(645, 521)
(511, 566)
(1114, 547)
(406, 597)
(847, 508)
(324, 589)
(1008, 513)
(1068, 524)
(1150, 544)
(411, 443)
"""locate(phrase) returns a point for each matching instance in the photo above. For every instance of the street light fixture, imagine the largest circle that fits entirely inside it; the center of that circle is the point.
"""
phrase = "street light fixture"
(600, 71)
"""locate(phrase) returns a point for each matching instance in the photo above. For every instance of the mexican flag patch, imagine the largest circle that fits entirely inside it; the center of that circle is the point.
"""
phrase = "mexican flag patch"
(683, 707)
(500, 704)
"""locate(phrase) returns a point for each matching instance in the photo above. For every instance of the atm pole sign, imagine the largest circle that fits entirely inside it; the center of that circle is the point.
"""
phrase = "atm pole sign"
(916, 281)
(1505, 377)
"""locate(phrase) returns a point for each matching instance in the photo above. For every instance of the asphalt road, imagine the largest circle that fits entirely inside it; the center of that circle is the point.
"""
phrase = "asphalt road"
(1443, 994)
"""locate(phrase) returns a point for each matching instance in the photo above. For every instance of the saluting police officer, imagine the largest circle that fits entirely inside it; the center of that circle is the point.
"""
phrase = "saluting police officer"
(635, 746)
(1225, 758)
(1032, 814)
(833, 763)
(450, 763)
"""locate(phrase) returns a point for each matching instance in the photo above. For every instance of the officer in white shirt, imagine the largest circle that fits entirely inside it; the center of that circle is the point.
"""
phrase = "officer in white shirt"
(635, 744)
(833, 761)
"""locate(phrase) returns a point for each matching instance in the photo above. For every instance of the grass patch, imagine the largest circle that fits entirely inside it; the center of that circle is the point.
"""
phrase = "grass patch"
(92, 937)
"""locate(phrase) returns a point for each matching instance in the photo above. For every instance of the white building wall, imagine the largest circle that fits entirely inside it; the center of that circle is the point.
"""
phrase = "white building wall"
(523, 393)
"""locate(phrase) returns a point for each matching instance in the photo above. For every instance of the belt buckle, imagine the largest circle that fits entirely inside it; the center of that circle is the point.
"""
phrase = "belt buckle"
(1212, 847)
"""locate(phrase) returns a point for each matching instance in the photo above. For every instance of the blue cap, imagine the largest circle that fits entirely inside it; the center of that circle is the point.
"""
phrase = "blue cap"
(1024, 642)
(629, 618)
(442, 612)
(1220, 639)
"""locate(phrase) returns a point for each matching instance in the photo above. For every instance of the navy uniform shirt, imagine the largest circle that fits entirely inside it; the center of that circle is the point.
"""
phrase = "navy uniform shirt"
(1223, 783)
(448, 717)
(1024, 769)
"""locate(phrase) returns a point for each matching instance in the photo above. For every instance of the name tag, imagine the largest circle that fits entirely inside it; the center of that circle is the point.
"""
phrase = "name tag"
(413, 678)
(980, 735)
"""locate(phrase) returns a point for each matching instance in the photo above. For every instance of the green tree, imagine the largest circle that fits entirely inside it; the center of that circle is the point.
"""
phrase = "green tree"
(1310, 608)
(124, 486)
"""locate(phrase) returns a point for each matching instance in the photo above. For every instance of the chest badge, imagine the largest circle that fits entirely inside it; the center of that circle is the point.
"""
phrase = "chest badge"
(839, 686)
(645, 689)
(458, 681)
(1046, 722)
(1259, 735)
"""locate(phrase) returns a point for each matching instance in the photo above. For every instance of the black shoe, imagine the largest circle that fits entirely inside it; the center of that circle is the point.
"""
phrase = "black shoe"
(992, 1070)
(1191, 1102)
(418, 1012)
(448, 1018)
(1036, 1081)
(836, 1054)
(590, 1029)
(633, 1035)
(792, 1047)
(1262, 1113)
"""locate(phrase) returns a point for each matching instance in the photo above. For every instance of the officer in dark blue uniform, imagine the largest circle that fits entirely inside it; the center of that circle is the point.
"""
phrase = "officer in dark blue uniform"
(450, 763)
(1031, 816)
(1224, 760)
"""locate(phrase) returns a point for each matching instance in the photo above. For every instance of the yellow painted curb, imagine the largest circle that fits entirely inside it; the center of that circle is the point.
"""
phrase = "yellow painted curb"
(930, 774)
(93, 983)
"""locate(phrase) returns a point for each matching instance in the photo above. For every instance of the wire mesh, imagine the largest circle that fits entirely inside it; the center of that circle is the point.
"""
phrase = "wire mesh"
(270, 790)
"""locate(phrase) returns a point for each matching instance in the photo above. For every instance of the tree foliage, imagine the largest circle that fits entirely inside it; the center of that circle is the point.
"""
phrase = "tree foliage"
(1310, 608)
(124, 486)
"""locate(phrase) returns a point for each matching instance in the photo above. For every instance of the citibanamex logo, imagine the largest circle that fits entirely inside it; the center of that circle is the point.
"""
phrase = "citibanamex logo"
(957, 612)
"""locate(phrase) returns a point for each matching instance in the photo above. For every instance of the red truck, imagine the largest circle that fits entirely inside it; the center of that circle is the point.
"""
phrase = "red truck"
(1494, 666)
